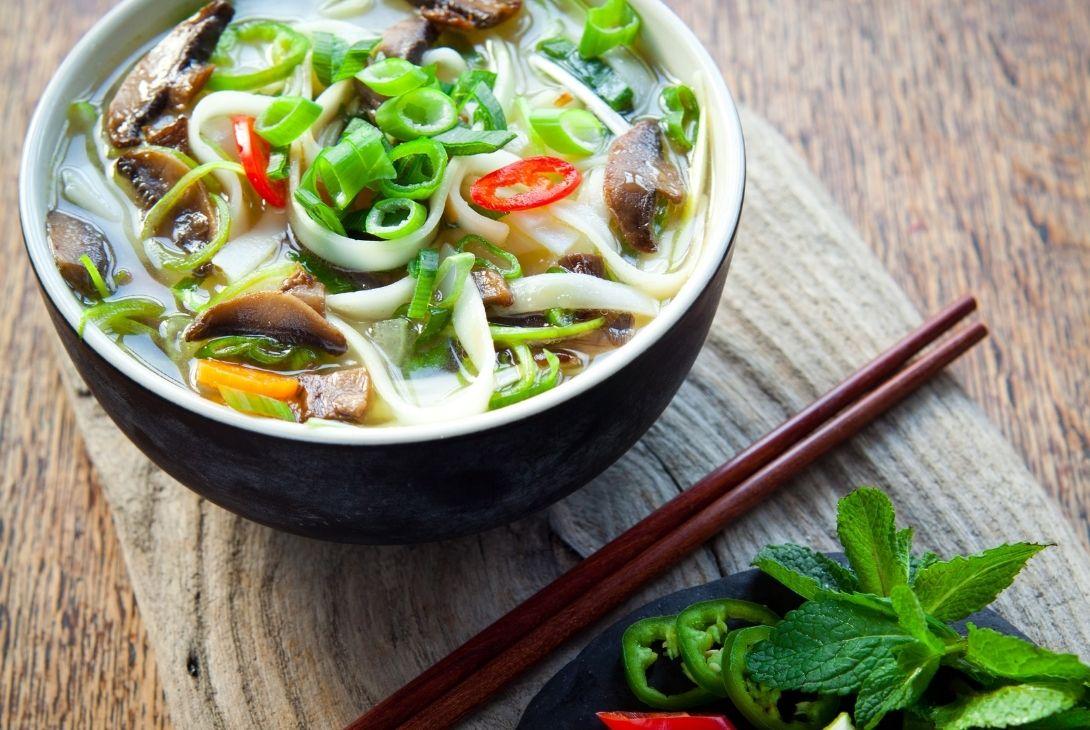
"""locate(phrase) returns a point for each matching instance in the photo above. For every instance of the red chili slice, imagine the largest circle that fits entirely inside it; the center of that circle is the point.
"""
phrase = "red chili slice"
(253, 152)
(548, 179)
(663, 721)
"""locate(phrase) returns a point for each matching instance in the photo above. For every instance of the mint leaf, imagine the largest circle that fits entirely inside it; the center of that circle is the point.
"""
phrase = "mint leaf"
(961, 586)
(911, 617)
(904, 548)
(895, 685)
(804, 571)
(865, 525)
(916, 563)
(828, 646)
(1076, 719)
(1011, 658)
(1017, 704)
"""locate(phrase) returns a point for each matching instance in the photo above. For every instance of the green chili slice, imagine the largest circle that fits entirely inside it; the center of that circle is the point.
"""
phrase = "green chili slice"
(393, 76)
(423, 112)
(288, 48)
(511, 268)
(609, 25)
(286, 119)
(420, 166)
(646, 642)
(506, 335)
(570, 131)
(702, 630)
(258, 350)
(392, 218)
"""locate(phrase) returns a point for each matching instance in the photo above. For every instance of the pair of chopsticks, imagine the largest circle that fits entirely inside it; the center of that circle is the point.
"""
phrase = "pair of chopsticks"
(474, 672)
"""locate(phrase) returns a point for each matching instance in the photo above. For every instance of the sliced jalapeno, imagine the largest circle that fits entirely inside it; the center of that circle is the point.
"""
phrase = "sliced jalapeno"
(639, 651)
(760, 703)
(702, 630)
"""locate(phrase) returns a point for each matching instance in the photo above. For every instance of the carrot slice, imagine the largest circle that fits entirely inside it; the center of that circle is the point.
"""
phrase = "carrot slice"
(215, 374)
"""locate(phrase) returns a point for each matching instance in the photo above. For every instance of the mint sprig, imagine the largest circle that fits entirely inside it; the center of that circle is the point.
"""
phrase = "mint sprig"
(879, 630)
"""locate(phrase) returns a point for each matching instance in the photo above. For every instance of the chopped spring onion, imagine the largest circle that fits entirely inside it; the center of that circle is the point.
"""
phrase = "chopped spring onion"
(570, 131)
(532, 381)
(505, 335)
(437, 321)
(596, 74)
(392, 218)
(423, 112)
(263, 278)
(286, 119)
(279, 166)
(288, 48)
(96, 276)
(335, 60)
(200, 257)
(609, 25)
(420, 165)
(488, 112)
(424, 271)
(456, 269)
(511, 269)
(124, 316)
(682, 118)
(256, 405)
(467, 82)
(393, 76)
(334, 280)
(347, 167)
(461, 141)
(190, 294)
(316, 208)
(159, 211)
(259, 351)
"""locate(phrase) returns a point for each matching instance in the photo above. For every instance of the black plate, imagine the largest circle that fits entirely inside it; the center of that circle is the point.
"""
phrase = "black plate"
(594, 681)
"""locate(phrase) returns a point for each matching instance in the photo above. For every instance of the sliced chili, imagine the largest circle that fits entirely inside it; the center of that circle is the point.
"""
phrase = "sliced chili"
(545, 179)
(646, 642)
(663, 721)
(702, 631)
(253, 152)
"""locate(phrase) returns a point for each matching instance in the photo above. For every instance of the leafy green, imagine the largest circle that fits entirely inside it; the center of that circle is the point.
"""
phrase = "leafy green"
(1012, 658)
(895, 685)
(1008, 706)
(961, 586)
(911, 617)
(805, 571)
(1076, 719)
(865, 525)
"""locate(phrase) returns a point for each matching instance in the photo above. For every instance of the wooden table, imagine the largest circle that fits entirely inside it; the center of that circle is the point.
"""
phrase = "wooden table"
(955, 136)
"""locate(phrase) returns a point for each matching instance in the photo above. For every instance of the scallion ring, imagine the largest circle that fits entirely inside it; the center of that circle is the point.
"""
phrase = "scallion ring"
(95, 276)
(393, 76)
(423, 112)
(511, 269)
(286, 119)
(288, 49)
(123, 316)
(456, 268)
(570, 131)
(421, 165)
(609, 25)
(426, 266)
(392, 218)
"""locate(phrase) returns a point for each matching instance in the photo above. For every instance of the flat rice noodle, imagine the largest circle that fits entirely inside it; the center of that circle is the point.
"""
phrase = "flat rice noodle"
(371, 305)
(576, 291)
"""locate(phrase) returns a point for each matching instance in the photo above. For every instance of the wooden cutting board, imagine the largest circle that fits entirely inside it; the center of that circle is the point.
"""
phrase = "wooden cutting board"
(255, 628)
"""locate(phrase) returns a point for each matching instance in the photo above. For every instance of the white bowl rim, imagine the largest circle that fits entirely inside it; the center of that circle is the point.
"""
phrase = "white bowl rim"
(727, 187)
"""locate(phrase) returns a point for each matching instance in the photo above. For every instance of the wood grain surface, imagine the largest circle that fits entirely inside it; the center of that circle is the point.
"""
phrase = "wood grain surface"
(954, 135)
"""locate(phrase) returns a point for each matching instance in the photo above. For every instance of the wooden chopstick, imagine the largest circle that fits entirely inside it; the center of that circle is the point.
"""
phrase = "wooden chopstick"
(618, 586)
(555, 597)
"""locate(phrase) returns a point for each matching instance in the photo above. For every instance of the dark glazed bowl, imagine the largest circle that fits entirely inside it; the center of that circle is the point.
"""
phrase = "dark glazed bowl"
(398, 484)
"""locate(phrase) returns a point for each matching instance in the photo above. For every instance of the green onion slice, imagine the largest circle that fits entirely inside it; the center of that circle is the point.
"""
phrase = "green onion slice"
(287, 48)
(258, 350)
(392, 218)
(489, 114)
(255, 404)
(335, 280)
(456, 269)
(461, 141)
(264, 277)
(420, 165)
(505, 335)
(96, 277)
(279, 165)
(423, 112)
(467, 82)
(124, 316)
(424, 271)
(682, 116)
(597, 74)
(345, 169)
(570, 131)
(286, 119)
(511, 268)
(335, 60)
(609, 25)
(532, 381)
(393, 76)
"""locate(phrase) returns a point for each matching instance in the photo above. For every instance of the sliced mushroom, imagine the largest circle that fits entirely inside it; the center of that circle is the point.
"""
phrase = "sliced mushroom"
(493, 288)
(304, 286)
(468, 14)
(274, 314)
(408, 39)
(173, 132)
(150, 173)
(341, 395)
(636, 175)
(72, 238)
(583, 263)
(620, 327)
(168, 77)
